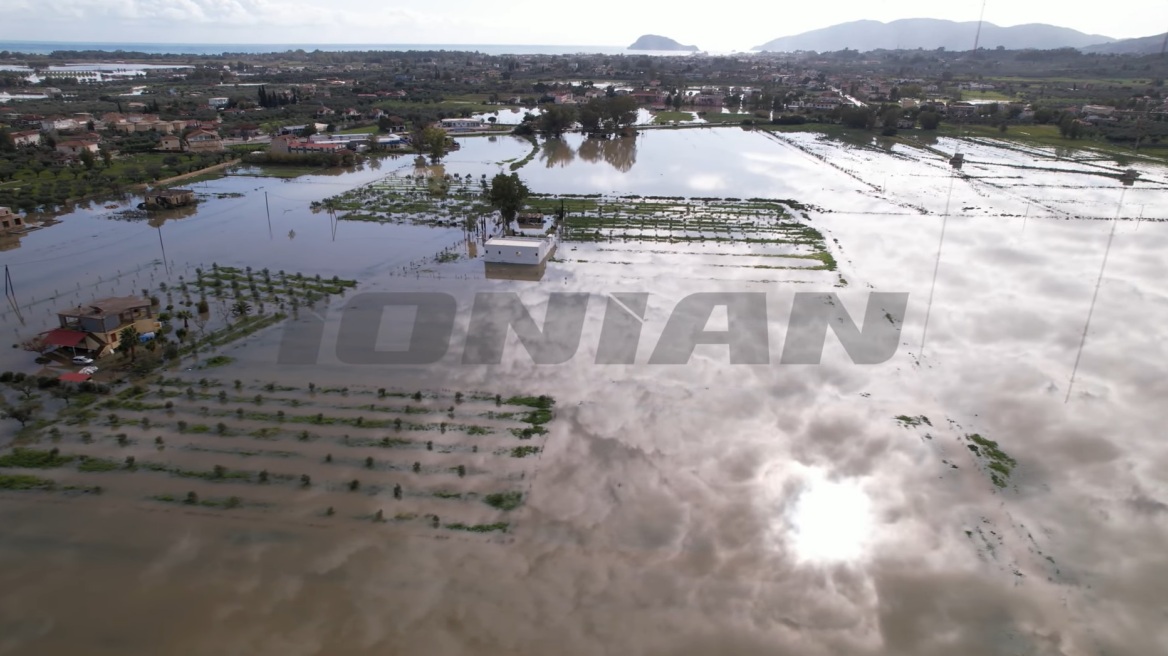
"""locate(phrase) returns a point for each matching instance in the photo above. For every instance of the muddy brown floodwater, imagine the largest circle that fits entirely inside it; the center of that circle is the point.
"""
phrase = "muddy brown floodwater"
(704, 508)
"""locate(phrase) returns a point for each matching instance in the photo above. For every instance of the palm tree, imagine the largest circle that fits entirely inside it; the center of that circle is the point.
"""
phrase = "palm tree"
(186, 316)
(128, 338)
(241, 308)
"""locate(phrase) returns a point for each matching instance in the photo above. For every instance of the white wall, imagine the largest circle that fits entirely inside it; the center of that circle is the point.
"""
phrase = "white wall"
(527, 252)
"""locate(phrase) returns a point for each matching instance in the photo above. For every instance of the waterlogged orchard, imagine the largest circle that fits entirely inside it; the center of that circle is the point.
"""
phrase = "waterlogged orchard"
(211, 309)
(709, 237)
(424, 460)
(428, 198)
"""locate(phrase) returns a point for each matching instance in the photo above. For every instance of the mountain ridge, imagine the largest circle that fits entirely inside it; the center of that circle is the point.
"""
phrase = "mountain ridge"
(930, 34)
(1144, 45)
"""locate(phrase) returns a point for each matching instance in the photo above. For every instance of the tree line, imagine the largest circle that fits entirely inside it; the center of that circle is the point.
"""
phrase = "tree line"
(598, 116)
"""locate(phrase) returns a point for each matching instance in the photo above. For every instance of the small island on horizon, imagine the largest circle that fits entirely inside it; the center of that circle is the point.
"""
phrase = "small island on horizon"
(655, 42)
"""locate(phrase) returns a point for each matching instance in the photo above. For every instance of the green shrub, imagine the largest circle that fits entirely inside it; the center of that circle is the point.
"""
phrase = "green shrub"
(504, 500)
(22, 458)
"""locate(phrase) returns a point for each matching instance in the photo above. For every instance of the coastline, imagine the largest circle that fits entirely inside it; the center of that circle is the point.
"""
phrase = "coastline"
(210, 49)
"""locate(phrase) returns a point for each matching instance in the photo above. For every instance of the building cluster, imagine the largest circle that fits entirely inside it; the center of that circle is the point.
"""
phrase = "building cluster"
(82, 131)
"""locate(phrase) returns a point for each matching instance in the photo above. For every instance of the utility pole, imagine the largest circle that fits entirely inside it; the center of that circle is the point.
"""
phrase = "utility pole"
(165, 264)
(268, 210)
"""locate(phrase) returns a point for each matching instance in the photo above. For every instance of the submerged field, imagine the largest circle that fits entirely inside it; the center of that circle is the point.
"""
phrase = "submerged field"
(703, 233)
(421, 460)
(992, 487)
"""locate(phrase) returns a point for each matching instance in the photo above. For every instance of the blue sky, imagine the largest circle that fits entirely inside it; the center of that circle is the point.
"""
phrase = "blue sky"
(605, 22)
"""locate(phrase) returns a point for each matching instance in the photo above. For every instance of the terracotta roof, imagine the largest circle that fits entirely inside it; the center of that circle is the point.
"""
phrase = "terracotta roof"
(107, 306)
(72, 377)
(64, 337)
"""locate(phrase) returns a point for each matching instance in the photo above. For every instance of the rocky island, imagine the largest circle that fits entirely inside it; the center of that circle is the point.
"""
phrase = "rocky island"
(655, 42)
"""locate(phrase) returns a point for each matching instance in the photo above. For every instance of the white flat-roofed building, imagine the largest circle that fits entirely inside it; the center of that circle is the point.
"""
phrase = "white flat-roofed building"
(461, 124)
(519, 250)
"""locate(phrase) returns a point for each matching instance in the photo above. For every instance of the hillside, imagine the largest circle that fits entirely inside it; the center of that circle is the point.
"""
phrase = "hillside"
(929, 33)
(1148, 45)
(655, 42)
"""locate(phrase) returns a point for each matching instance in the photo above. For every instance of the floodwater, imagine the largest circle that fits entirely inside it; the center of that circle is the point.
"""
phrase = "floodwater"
(515, 115)
(691, 509)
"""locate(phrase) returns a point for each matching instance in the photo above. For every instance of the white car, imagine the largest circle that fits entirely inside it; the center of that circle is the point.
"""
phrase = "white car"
(81, 359)
(88, 370)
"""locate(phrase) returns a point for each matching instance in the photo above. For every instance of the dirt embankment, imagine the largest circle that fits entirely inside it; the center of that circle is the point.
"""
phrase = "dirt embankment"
(179, 178)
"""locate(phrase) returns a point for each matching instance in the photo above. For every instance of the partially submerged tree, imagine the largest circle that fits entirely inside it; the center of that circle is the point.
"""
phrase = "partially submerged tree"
(508, 194)
(432, 140)
(186, 316)
(240, 309)
(557, 119)
(621, 111)
(22, 413)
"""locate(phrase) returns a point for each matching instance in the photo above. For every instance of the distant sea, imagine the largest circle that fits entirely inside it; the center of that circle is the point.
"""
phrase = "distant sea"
(47, 47)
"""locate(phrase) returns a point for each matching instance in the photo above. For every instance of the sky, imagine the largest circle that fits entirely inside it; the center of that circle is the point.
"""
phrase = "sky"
(606, 22)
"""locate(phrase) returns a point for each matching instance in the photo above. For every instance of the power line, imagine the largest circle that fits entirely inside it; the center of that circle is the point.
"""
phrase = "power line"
(977, 36)
(1095, 295)
(937, 262)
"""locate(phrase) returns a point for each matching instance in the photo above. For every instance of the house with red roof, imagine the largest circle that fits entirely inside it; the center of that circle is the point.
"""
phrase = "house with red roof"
(74, 148)
(204, 141)
(26, 138)
(96, 328)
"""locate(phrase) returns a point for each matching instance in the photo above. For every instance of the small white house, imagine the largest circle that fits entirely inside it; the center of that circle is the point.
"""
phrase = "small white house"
(519, 250)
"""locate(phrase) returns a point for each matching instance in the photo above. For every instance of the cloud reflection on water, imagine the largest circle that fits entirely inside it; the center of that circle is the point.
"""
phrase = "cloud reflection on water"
(666, 514)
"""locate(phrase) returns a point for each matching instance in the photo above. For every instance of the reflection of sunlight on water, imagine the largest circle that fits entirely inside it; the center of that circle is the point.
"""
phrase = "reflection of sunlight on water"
(831, 521)
(706, 182)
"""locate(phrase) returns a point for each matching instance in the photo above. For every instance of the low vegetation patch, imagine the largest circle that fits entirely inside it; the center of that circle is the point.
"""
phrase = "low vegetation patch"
(98, 465)
(999, 464)
(479, 528)
(25, 482)
(907, 421)
(504, 500)
(24, 458)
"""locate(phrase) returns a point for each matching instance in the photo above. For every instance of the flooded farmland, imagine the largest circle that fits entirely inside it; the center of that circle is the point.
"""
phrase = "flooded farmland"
(994, 486)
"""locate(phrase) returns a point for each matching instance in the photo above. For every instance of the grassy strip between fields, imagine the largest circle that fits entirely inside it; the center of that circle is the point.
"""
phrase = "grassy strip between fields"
(665, 117)
(515, 166)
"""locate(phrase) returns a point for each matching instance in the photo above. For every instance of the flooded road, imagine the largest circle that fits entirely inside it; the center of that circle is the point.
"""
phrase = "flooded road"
(675, 509)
